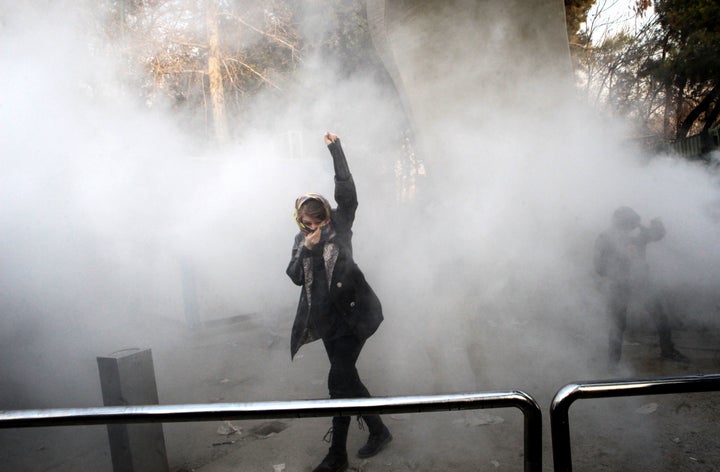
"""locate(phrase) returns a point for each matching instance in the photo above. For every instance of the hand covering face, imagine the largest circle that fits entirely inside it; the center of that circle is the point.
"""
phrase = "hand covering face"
(304, 198)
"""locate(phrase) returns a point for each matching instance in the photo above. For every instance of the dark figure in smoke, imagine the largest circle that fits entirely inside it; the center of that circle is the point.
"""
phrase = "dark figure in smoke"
(620, 256)
(336, 304)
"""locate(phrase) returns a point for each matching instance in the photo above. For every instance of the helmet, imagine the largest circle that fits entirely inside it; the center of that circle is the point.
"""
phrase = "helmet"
(625, 218)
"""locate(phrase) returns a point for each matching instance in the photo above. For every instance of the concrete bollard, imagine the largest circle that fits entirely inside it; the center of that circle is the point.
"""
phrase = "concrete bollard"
(127, 378)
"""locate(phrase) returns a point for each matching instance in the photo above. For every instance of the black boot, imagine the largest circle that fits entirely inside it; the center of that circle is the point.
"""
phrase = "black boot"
(336, 459)
(333, 462)
(379, 437)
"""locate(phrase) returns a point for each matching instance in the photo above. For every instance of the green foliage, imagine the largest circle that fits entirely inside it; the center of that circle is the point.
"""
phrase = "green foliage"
(690, 65)
(692, 32)
(665, 77)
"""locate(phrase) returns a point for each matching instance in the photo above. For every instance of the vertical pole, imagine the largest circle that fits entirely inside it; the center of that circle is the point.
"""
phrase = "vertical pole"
(127, 378)
(533, 436)
(560, 427)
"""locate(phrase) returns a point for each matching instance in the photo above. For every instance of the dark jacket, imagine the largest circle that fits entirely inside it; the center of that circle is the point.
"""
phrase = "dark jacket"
(620, 253)
(351, 299)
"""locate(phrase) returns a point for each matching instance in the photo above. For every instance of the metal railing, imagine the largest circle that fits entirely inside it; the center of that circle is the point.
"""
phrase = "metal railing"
(293, 409)
(559, 422)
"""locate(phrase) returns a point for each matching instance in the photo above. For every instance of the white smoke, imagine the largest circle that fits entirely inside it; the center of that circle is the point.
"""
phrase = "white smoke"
(106, 206)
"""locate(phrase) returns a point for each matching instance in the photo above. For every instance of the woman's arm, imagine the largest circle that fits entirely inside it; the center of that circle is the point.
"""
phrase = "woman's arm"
(345, 192)
(295, 267)
(342, 171)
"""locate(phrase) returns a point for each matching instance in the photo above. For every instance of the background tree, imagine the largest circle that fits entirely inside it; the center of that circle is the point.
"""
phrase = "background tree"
(576, 12)
(690, 64)
(661, 76)
(203, 57)
(208, 58)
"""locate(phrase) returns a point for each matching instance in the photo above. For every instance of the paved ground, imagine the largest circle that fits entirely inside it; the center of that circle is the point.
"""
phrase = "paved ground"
(245, 362)
(668, 432)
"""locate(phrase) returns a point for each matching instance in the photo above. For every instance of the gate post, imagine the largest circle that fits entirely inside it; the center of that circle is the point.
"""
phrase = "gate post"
(127, 378)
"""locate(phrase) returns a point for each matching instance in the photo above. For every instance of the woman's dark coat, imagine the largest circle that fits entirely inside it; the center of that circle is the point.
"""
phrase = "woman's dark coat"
(350, 296)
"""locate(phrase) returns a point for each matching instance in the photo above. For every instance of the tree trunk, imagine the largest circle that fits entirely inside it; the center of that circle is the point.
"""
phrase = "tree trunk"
(702, 107)
(668, 94)
(712, 116)
(679, 104)
(217, 93)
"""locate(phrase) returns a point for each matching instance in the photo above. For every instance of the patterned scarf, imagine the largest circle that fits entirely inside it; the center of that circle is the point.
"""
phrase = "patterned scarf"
(304, 198)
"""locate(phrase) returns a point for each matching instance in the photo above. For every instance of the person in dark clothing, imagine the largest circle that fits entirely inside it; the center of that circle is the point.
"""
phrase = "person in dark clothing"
(337, 305)
(620, 258)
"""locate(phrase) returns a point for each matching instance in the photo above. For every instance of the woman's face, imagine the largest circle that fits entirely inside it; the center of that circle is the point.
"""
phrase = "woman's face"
(312, 223)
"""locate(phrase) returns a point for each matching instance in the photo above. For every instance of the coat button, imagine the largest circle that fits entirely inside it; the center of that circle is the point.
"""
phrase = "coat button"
(338, 285)
(352, 304)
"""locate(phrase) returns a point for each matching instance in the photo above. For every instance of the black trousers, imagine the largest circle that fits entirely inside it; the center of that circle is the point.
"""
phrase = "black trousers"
(344, 382)
(620, 297)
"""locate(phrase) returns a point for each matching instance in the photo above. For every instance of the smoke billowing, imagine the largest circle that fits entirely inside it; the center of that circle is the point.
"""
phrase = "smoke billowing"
(108, 211)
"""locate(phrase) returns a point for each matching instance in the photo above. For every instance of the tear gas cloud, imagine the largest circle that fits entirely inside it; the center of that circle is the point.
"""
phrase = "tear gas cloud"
(105, 205)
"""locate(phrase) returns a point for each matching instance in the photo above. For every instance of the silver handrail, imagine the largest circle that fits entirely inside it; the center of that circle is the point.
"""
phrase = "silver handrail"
(293, 409)
(559, 421)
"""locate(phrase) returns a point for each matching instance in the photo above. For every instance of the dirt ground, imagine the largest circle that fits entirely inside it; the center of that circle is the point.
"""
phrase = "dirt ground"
(246, 361)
